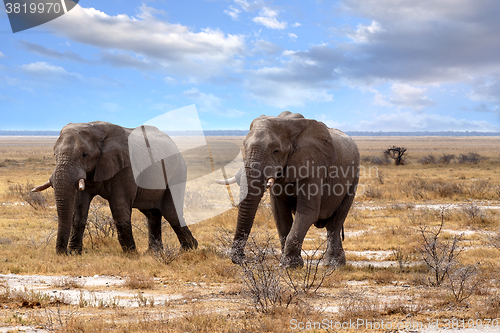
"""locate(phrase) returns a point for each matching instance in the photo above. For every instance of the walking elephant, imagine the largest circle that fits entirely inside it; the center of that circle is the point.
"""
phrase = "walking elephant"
(312, 172)
(94, 159)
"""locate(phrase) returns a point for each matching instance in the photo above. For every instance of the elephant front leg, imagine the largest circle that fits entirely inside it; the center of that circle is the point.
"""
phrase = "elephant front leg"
(307, 214)
(79, 223)
(282, 213)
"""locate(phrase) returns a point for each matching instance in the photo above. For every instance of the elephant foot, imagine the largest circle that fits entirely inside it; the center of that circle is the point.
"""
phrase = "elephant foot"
(237, 256)
(335, 260)
(75, 251)
(292, 262)
(191, 244)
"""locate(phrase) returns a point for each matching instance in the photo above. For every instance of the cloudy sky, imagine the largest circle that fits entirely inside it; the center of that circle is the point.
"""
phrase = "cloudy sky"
(370, 65)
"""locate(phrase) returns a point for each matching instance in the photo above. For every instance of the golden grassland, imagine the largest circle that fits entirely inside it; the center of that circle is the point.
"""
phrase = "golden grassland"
(392, 205)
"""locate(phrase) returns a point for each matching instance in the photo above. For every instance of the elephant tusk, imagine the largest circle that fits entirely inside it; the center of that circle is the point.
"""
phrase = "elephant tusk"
(81, 184)
(270, 182)
(229, 181)
(42, 187)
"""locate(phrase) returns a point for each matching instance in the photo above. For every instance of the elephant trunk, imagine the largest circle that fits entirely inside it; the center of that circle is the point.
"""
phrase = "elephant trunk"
(248, 208)
(65, 189)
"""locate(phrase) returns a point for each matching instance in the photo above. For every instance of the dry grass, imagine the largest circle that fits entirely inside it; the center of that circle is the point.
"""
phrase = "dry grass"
(385, 218)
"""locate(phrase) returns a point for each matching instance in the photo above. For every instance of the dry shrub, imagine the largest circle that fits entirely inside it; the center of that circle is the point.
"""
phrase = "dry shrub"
(37, 200)
(439, 255)
(100, 223)
(463, 282)
(167, 254)
(420, 188)
(491, 306)
(400, 306)
(376, 160)
(470, 158)
(373, 192)
(136, 281)
(446, 159)
(356, 304)
(67, 282)
(429, 159)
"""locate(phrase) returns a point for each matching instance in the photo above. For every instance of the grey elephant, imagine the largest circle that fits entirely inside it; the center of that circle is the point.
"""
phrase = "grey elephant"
(94, 159)
(312, 172)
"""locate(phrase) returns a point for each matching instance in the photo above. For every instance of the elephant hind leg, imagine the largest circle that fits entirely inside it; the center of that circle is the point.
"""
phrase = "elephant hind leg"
(183, 233)
(335, 255)
(154, 229)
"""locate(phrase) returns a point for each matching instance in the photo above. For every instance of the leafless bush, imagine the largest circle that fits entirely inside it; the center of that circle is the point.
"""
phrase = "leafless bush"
(381, 177)
(446, 159)
(372, 192)
(491, 306)
(37, 200)
(311, 276)
(473, 212)
(357, 304)
(59, 319)
(262, 276)
(376, 160)
(166, 255)
(43, 241)
(402, 256)
(439, 255)
(68, 282)
(470, 158)
(463, 282)
(480, 186)
(429, 159)
(419, 188)
(495, 240)
(100, 223)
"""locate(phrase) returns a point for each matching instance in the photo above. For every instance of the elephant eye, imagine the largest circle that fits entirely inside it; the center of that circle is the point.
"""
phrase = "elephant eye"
(276, 151)
(84, 155)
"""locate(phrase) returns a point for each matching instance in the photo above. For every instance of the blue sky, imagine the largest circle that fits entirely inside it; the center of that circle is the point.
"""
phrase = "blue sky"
(369, 65)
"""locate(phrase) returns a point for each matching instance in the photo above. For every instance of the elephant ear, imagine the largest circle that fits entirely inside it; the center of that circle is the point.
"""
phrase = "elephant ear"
(313, 152)
(114, 152)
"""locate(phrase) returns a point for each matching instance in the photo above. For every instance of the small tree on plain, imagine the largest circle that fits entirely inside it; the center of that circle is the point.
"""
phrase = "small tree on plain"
(396, 153)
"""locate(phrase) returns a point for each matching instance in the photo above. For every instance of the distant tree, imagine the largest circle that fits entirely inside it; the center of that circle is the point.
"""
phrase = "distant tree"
(396, 153)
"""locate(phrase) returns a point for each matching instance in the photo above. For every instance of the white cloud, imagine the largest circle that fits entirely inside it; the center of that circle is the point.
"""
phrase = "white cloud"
(233, 12)
(292, 36)
(47, 72)
(268, 19)
(210, 103)
(486, 88)
(296, 24)
(1, 55)
(176, 48)
(404, 95)
(409, 121)
(328, 122)
(365, 32)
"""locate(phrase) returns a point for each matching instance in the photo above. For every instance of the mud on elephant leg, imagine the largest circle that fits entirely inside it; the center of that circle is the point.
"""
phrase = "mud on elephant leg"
(80, 216)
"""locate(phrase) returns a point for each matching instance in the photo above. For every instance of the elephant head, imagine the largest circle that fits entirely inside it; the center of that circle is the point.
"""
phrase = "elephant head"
(276, 151)
(85, 153)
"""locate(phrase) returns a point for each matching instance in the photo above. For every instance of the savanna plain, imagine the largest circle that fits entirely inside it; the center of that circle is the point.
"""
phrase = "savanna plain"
(422, 243)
